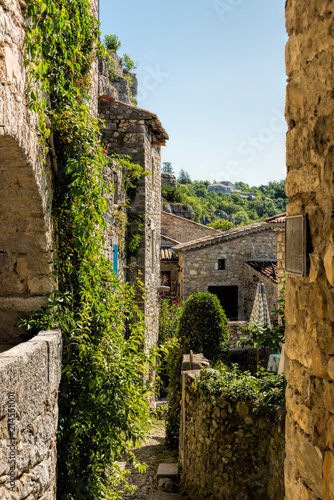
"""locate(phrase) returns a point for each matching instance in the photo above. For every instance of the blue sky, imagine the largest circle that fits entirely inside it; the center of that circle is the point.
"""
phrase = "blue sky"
(213, 71)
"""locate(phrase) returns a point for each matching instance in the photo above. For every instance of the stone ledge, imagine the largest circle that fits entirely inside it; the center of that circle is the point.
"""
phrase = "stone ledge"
(32, 370)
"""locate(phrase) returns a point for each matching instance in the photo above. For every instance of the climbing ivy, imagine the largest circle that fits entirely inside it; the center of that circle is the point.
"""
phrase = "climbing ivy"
(105, 377)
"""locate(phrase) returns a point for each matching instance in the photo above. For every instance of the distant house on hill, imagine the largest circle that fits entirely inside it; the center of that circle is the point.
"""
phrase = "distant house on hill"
(220, 187)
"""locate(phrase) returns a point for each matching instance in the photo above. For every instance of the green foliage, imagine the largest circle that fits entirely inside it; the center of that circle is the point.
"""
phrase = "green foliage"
(204, 326)
(266, 391)
(261, 204)
(167, 167)
(184, 177)
(221, 224)
(112, 42)
(174, 362)
(169, 318)
(128, 64)
(259, 336)
(105, 376)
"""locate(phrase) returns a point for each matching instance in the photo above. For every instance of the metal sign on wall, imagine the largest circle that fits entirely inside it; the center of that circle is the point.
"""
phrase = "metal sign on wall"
(295, 245)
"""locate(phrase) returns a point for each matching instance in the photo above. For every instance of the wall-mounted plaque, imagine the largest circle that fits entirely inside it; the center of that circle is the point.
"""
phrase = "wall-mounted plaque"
(295, 245)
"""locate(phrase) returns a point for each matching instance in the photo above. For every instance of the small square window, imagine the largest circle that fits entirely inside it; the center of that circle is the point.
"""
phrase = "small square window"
(221, 264)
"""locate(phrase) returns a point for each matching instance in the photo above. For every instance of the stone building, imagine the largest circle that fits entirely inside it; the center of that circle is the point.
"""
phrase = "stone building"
(218, 264)
(181, 230)
(222, 187)
(169, 265)
(309, 465)
(30, 372)
(139, 134)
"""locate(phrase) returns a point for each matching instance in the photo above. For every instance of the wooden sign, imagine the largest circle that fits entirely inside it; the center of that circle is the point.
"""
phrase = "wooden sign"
(295, 245)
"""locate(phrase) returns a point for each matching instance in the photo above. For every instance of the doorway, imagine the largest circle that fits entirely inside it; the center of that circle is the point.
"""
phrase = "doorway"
(228, 297)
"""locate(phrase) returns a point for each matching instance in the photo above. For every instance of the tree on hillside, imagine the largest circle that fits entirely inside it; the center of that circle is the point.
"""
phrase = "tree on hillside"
(112, 42)
(184, 177)
(221, 224)
(167, 167)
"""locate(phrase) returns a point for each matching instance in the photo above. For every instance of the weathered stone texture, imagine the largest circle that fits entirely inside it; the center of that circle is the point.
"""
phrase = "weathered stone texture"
(31, 372)
(309, 304)
(183, 230)
(227, 452)
(181, 210)
(199, 265)
(137, 133)
(251, 279)
(168, 180)
(25, 186)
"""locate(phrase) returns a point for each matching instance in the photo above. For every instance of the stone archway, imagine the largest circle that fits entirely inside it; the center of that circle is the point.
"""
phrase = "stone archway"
(25, 187)
(25, 239)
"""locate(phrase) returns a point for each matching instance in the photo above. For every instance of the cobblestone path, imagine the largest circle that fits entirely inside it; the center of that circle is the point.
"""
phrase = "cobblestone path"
(152, 452)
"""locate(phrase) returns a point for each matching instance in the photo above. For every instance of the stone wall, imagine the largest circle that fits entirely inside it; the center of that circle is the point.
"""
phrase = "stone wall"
(25, 186)
(170, 267)
(280, 254)
(199, 264)
(184, 230)
(250, 286)
(228, 453)
(137, 133)
(309, 469)
(29, 382)
(235, 332)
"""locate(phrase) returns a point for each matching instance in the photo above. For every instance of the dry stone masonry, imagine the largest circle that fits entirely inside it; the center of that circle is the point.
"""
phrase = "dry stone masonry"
(139, 134)
(182, 230)
(309, 467)
(25, 186)
(29, 383)
(217, 264)
(228, 453)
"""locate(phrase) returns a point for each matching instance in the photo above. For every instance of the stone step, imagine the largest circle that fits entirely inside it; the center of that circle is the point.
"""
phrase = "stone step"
(160, 495)
(169, 471)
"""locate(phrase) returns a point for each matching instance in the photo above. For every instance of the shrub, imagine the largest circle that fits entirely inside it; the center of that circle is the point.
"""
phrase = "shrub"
(265, 390)
(128, 64)
(169, 318)
(173, 417)
(204, 326)
(112, 42)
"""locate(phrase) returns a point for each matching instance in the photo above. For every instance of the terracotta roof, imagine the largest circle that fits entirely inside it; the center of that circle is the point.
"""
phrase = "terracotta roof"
(231, 234)
(276, 219)
(220, 184)
(168, 254)
(267, 268)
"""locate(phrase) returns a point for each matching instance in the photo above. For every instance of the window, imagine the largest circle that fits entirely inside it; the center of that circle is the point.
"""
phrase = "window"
(221, 264)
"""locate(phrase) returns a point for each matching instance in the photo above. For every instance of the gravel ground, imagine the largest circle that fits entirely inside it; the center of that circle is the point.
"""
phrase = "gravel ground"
(152, 452)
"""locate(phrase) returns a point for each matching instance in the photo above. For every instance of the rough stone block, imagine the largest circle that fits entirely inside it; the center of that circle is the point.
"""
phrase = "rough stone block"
(169, 471)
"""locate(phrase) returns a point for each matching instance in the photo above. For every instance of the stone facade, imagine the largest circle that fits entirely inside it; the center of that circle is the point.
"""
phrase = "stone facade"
(252, 276)
(25, 186)
(183, 230)
(199, 262)
(29, 382)
(227, 454)
(236, 332)
(139, 134)
(309, 467)
(169, 271)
